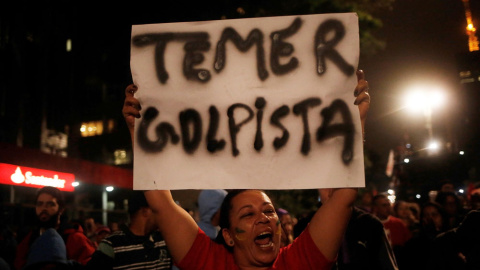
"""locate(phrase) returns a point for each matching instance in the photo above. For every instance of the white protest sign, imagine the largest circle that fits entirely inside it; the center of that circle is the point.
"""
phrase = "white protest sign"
(261, 103)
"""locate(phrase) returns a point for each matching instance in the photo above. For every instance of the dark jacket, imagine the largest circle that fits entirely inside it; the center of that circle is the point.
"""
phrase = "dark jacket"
(79, 247)
(365, 245)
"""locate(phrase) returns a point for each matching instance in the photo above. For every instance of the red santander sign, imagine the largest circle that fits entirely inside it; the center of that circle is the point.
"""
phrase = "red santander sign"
(36, 178)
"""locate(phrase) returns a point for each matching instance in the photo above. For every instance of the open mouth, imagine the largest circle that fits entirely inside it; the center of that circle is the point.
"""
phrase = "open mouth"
(264, 240)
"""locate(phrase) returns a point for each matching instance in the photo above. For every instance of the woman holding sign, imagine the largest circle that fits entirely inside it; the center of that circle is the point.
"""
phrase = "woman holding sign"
(250, 228)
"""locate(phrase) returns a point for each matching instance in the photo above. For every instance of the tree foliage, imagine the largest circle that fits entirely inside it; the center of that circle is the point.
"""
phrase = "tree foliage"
(366, 10)
(297, 202)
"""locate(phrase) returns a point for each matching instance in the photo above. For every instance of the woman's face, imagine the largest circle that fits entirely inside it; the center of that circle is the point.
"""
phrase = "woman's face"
(403, 211)
(431, 216)
(255, 229)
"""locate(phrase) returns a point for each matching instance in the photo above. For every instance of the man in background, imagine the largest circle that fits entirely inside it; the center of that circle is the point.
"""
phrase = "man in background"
(138, 245)
(397, 232)
(49, 207)
(209, 202)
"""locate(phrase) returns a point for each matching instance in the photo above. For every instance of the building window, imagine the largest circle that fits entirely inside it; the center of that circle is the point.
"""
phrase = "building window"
(95, 128)
(92, 128)
(121, 157)
(465, 74)
(468, 80)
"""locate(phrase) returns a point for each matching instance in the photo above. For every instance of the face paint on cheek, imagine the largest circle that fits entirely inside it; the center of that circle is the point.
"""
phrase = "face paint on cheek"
(238, 234)
(279, 228)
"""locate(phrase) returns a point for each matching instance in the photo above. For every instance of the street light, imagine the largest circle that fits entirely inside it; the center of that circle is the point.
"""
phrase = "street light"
(426, 98)
(433, 145)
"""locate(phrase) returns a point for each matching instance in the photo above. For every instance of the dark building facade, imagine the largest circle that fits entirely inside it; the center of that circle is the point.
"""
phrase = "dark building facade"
(468, 64)
(61, 97)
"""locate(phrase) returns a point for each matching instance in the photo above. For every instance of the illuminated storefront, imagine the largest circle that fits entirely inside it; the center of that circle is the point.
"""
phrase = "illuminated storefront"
(23, 171)
(36, 178)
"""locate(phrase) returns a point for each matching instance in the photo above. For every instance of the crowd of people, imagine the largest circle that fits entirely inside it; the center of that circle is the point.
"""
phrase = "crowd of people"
(438, 234)
(243, 229)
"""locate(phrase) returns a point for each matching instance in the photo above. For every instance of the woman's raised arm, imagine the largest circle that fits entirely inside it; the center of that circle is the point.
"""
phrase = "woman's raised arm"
(177, 226)
(330, 222)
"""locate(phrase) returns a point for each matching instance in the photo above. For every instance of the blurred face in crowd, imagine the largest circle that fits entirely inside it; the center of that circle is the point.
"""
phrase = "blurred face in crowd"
(255, 229)
(287, 223)
(367, 198)
(382, 208)
(287, 226)
(448, 187)
(150, 225)
(114, 226)
(47, 210)
(403, 210)
(432, 217)
(450, 205)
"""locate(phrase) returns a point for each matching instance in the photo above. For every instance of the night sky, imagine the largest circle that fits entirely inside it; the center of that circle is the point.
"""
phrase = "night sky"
(422, 39)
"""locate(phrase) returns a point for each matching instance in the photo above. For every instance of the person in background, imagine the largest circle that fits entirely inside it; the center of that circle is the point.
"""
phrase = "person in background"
(101, 233)
(90, 227)
(453, 208)
(209, 202)
(458, 248)
(79, 247)
(397, 233)
(446, 186)
(49, 207)
(114, 226)
(365, 244)
(137, 246)
(365, 203)
(403, 211)
(433, 219)
(287, 226)
(474, 197)
(418, 249)
(250, 229)
(415, 209)
(396, 230)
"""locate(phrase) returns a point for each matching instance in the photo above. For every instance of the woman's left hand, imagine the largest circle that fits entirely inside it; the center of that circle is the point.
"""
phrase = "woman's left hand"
(362, 97)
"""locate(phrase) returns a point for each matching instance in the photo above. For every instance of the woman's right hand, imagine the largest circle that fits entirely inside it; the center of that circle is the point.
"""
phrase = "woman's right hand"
(131, 108)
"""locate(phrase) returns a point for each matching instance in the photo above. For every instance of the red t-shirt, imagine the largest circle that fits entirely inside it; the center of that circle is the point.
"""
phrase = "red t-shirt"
(397, 232)
(301, 254)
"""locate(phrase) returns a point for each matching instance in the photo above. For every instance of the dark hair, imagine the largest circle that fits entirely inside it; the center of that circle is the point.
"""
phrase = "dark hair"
(446, 182)
(54, 192)
(436, 205)
(442, 198)
(439, 208)
(378, 197)
(136, 201)
(224, 222)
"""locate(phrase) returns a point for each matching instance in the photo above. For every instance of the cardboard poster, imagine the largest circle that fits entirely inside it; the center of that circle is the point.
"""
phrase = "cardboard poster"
(264, 103)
